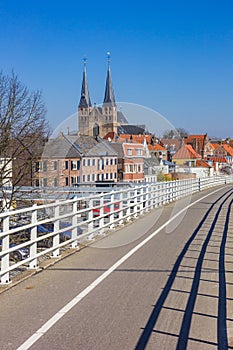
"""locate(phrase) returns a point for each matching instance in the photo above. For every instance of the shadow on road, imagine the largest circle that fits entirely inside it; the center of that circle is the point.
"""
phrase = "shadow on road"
(183, 336)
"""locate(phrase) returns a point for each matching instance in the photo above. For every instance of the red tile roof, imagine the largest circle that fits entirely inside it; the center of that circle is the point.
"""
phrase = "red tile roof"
(202, 163)
(156, 147)
(228, 149)
(218, 159)
(186, 152)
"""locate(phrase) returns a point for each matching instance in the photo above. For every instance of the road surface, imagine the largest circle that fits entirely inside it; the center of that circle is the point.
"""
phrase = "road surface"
(163, 282)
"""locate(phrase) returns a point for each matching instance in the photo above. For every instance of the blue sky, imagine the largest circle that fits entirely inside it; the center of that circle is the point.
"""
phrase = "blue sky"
(175, 57)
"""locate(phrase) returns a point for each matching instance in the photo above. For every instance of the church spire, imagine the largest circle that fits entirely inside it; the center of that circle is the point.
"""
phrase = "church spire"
(85, 100)
(109, 97)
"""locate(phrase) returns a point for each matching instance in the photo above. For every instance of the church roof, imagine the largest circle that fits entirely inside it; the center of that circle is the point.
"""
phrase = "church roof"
(131, 129)
(85, 100)
(109, 97)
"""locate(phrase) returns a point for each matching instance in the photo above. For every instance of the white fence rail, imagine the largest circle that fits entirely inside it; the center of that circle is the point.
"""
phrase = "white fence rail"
(42, 231)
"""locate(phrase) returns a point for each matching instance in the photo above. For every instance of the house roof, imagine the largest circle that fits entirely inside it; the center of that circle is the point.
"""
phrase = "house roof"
(73, 146)
(118, 148)
(228, 149)
(218, 159)
(186, 152)
(202, 164)
(150, 162)
(215, 145)
(156, 147)
(60, 147)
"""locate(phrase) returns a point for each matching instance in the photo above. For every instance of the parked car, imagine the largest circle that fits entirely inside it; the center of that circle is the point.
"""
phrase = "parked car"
(18, 254)
(107, 209)
(64, 236)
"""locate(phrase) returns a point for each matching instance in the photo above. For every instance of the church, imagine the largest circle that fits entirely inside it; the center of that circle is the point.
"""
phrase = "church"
(95, 120)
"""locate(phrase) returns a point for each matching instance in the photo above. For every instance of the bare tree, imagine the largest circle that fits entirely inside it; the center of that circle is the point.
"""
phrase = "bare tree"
(175, 133)
(23, 130)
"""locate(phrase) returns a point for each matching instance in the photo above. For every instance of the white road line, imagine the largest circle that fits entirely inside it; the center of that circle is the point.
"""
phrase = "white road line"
(54, 319)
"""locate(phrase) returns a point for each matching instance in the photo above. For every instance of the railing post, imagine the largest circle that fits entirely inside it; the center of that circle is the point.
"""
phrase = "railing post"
(128, 210)
(90, 216)
(56, 237)
(121, 208)
(135, 208)
(74, 223)
(101, 220)
(5, 261)
(147, 204)
(33, 235)
(111, 216)
(141, 200)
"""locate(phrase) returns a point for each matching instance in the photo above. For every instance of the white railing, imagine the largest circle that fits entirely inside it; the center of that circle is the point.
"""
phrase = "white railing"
(42, 231)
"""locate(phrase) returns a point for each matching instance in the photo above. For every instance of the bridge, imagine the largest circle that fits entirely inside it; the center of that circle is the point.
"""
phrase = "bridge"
(156, 271)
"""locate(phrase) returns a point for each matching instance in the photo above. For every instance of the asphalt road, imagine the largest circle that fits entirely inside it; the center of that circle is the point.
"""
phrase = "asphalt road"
(163, 282)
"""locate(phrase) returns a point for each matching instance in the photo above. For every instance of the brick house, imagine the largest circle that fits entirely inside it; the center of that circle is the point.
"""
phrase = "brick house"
(72, 159)
(130, 161)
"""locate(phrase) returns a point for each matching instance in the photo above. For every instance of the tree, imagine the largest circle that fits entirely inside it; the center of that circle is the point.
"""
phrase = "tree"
(23, 130)
(175, 133)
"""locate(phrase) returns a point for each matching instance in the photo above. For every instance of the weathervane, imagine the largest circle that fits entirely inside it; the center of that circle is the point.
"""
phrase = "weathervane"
(84, 60)
(108, 55)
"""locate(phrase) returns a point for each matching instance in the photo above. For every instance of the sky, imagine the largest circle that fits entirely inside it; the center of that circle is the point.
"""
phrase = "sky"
(174, 57)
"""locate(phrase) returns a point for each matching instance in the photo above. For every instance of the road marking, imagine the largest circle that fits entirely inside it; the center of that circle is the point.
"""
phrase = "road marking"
(54, 319)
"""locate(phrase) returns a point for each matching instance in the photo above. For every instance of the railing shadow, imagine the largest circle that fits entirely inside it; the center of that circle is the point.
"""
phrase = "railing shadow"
(183, 336)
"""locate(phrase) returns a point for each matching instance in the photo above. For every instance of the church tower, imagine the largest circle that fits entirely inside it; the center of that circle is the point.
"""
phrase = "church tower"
(84, 107)
(109, 108)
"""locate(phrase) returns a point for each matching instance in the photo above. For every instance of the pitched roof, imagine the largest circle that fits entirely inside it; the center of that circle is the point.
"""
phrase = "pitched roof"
(218, 159)
(228, 149)
(131, 129)
(156, 147)
(186, 152)
(109, 97)
(60, 147)
(85, 100)
(202, 163)
(90, 146)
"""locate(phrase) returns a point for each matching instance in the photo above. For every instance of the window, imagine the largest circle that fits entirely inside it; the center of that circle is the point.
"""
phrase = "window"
(37, 183)
(55, 165)
(37, 167)
(66, 164)
(139, 152)
(45, 165)
(106, 161)
(93, 162)
(73, 165)
(84, 162)
(93, 177)
(55, 182)
(88, 162)
(78, 165)
(84, 178)
(107, 176)
(67, 181)
(110, 175)
(45, 182)
(130, 152)
(88, 178)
